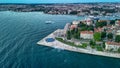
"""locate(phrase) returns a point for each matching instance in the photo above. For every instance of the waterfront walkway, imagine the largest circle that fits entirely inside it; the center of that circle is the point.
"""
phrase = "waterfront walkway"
(60, 45)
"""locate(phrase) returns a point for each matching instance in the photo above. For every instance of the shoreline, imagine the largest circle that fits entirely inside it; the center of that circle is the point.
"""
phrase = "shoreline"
(60, 45)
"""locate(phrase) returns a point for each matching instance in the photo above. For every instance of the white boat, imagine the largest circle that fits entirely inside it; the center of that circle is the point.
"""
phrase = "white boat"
(49, 22)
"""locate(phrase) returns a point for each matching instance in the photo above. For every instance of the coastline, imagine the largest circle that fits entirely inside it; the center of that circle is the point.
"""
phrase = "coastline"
(60, 45)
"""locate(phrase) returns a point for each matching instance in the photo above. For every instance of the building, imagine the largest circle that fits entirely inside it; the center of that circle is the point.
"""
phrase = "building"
(66, 28)
(75, 22)
(118, 32)
(112, 46)
(117, 23)
(86, 34)
(73, 27)
(98, 29)
(89, 21)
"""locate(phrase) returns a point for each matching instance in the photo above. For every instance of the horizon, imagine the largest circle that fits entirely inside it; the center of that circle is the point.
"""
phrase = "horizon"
(62, 3)
(57, 1)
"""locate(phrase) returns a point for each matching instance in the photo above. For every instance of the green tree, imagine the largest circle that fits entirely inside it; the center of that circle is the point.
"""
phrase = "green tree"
(112, 22)
(97, 36)
(117, 38)
(103, 45)
(90, 28)
(76, 35)
(101, 24)
(68, 35)
(103, 34)
(110, 36)
(119, 50)
(72, 31)
(92, 43)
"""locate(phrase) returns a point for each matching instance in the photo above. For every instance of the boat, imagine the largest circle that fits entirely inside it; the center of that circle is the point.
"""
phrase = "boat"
(49, 22)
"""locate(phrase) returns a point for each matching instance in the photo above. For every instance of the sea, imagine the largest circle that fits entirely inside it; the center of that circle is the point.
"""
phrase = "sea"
(20, 32)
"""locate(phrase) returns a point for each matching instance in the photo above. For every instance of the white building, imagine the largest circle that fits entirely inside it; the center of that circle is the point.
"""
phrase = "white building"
(66, 28)
(89, 21)
(112, 46)
(118, 32)
(86, 34)
(75, 22)
(117, 23)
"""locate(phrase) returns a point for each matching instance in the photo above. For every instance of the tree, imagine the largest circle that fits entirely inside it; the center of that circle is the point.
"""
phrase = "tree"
(76, 35)
(110, 36)
(103, 34)
(103, 45)
(119, 50)
(90, 28)
(97, 36)
(117, 38)
(101, 24)
(112, 22)
(68, 35)
(92, 43)
(73, 31)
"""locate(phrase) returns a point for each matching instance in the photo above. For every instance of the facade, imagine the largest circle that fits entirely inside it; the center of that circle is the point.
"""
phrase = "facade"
(118, 32)
(66, 28)
(75, 22)
(86, 34)
(112, 46)
(73, 27)
(88, 21)
(117, 23)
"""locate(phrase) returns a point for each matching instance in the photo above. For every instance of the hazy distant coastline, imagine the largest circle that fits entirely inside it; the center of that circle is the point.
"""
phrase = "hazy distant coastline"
(59, 8)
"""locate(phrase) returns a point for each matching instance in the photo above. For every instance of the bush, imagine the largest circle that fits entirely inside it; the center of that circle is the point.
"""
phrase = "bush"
(117, 38)
(99, 48)
(97, 36)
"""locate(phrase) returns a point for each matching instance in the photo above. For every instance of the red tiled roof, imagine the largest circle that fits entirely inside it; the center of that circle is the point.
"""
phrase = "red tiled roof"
(73, 26)
(98, 29)
(113, 43)
(86, 32)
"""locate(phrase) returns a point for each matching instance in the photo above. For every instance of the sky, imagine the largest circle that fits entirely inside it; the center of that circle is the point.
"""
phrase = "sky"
(55, 1)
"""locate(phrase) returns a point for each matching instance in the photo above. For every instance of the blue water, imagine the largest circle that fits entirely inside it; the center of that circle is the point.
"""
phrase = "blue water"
(19, 33)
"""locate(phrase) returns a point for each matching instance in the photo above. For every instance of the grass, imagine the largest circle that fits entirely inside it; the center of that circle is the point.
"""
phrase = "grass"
(84, 45)
(99, 48)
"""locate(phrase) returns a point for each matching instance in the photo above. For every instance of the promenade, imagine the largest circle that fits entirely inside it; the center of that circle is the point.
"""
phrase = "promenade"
(60, 45)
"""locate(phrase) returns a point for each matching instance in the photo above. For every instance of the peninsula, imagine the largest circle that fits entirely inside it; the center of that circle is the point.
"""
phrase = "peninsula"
(91, 35)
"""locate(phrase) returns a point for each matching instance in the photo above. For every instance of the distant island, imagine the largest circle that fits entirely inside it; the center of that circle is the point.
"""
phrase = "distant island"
(80, 9)
(91, 35)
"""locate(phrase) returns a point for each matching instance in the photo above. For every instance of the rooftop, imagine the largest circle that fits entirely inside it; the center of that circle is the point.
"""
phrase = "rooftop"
(86, 32)
(113, 43)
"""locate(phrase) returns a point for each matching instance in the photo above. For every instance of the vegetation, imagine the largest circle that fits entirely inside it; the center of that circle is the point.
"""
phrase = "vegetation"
(97, 36)
(99, 47)
(101, 24)
(84, 45)
(110, 36)
(92, 43)
(119, 50)
(103, 45)
(112, 22)
(85, 27)
(103, 34)
(117, 38)
(68, 35)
